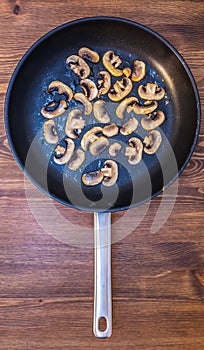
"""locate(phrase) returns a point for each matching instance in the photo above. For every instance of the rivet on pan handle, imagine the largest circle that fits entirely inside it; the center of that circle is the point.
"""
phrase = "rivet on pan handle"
(102, 285)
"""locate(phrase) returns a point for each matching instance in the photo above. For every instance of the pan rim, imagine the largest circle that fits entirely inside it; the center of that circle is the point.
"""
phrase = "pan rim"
(69, 24)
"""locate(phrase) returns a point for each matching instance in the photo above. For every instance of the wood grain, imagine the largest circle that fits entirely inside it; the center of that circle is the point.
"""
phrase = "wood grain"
(46, 287)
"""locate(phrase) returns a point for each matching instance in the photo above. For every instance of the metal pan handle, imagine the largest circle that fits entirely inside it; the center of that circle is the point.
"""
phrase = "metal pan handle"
(102, 285)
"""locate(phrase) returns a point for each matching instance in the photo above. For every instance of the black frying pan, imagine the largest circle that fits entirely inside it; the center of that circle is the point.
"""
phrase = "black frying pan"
(44, 62)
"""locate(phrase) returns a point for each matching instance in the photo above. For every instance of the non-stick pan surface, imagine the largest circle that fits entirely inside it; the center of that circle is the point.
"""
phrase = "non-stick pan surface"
(45, 61)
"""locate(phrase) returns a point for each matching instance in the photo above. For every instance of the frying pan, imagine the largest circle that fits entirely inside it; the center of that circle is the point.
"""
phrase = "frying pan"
(44, 62)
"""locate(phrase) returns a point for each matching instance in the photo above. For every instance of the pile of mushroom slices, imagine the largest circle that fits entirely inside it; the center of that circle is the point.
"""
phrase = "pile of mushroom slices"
(96, 139)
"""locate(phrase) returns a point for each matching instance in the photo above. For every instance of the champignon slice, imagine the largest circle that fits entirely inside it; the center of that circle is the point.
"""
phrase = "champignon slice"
(110, 130)
(148, 107)
(78, 66)
(123, 106)
(129, 127)
(79, 97)
(98, 146)
(61, 88)
(134, 150)
(110, 172)
(76, 159)
(151, 92)
(111, 62)
(50, 132)
(114, 149)
(152, 142)
(93, 178)
(104, 83)
(90, 136)
(153, 120)
(74, 124)
(90, 89)
(139, 70)
(63, 154)
(60, 109)
(121, 88)
(127, 72)
(89, 54)
(100, 112)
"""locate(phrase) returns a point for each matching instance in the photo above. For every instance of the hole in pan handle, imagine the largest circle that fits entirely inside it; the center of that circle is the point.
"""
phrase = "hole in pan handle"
(102, 283)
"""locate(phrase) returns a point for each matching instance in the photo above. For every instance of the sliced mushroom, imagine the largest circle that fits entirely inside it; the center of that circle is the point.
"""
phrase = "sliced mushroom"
(50, 132)
(89, 54)
(139, 70)
(111, 62)
(79, 97)
(78, 66)
(76, 159)
(60, 109)
(114, 149)
(90, 89)
(151, 92)
(129, 127)
(74, 124)
(63, 154)
(153, 120)
(121, 88)
(93, 178)
(134, 150)
(148, 107)
(104, 83)
(127, 72)
(110, 130)
(98, 146)
(100, 112)
(110, 172)
(123, 106)
(90, 136)
(61, 88)
(152, 142)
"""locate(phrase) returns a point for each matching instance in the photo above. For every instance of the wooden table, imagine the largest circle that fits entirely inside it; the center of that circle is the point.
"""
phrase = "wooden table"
(46, 286)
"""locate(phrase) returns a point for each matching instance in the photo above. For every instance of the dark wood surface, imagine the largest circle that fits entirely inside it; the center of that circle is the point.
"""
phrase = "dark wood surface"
(46, 286)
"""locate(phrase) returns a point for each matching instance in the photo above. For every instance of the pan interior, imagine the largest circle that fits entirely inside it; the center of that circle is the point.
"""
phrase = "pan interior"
(45, 62)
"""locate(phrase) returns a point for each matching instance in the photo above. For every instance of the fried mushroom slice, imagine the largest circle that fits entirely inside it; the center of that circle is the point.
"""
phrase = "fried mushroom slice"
(114, 149)
(78, 66)
(151, 92)
(61, 88)
(139, 70)
(90, 89)
(50, 132)
(110, 172)
(110, 130)
(100, 112)
(111, 62)
(76, 159)
(90, 136)
(98, 146)
(123, 106)
(121, 88)
(148, 107)
(129, 127)
(58, 110)
(63, 154)
(74, 124)
(134, 150)
(89, 54)
(152, 142)
(153, 120)
(93, 178)
(104, 84)
(79, 97)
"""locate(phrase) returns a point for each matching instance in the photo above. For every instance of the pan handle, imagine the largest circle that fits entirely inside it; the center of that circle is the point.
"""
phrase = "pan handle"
(102, 285)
